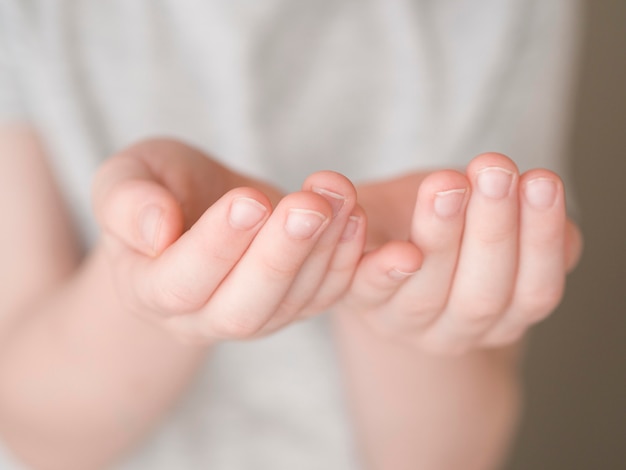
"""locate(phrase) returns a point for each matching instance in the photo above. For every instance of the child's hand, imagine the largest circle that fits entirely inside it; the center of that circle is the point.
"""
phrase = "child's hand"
(198, 248)
(486, 258)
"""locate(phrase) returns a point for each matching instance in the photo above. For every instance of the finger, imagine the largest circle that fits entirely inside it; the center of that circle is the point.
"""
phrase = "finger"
(485, 275)
(341, 195)
(573, 245)
(380, 274)
(343, 265)
(257, 285)
(194, 178)
(132, 206)
(187, 273)
(157, 186)
(436, 228)
(303, 293)
(542, 264)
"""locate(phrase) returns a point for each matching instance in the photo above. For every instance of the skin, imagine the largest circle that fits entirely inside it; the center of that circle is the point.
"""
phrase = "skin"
(84, 343)
(141, 311)
(431, 356)
(231, 228)
(478, 268)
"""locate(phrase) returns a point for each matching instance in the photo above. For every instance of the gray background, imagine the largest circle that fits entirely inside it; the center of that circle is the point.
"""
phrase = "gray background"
(576, 371)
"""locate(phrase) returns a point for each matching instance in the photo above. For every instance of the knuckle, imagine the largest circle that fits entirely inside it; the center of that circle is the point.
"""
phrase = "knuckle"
(321, 303)
(482, 310)
(290, 307)
(329, 294)
(223, 257)
(539, 303)
(421, 318)
(236, 327)
(426, 308)
(280, 272)
(175, 299)
(498, 234)
(344, 270)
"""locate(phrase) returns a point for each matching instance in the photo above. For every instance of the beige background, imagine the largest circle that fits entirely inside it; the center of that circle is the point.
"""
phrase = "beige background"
(576, 371)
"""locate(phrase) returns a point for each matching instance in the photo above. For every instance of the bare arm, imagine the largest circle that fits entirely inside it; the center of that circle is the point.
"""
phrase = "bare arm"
(37, 243)
(94, 359)
(81, 379)
(414, 410)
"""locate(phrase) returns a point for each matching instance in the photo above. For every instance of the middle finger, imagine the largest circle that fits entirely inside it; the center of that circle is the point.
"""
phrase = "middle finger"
(485, 274)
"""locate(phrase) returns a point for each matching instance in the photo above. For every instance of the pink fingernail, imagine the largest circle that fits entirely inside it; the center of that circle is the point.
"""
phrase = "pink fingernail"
(398, 275)
(540, 193)
(494, 182)
(150, 224)
(303, 223)
(336, 200)
(246, 213)
(448, 203)
(351, 228)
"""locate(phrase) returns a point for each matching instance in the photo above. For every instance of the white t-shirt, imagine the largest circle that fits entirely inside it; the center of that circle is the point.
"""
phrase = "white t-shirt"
(279, 89)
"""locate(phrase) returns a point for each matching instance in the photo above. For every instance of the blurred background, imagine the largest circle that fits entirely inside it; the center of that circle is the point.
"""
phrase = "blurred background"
(576, 370)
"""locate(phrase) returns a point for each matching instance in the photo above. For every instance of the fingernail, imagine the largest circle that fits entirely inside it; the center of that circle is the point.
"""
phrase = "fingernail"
(336, 200)
(246, 213)
(398, 275)
(494, 182)
(150, 224)
(541, 193)
(351, 228)
(303, 223)
(448, 203)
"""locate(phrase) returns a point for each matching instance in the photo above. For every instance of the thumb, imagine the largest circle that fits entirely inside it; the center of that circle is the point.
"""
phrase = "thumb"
(149, 193)
(132, 205)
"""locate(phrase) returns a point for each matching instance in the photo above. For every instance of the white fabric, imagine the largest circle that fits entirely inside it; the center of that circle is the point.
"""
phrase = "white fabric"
(278, 89)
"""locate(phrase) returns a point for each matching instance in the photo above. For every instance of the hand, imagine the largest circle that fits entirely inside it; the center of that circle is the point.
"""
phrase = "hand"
(484, 255)
(199, 250)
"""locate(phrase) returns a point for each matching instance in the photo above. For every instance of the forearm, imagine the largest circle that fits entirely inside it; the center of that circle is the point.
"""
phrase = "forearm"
(81, 379)
(414, 411)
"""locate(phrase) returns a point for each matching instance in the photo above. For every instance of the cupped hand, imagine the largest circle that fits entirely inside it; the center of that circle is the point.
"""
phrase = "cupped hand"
(200, 250)
(463, 261)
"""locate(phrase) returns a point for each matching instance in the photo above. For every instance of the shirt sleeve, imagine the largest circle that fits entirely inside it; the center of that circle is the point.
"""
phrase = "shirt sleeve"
(7, 462)
(10, 109)
(538, 98)
(526, 107)
(11, 105)
(535, 115)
